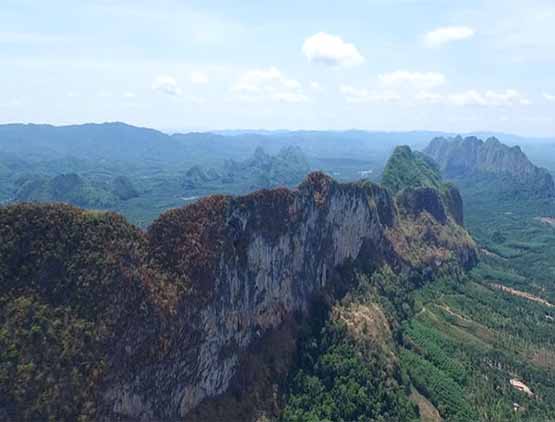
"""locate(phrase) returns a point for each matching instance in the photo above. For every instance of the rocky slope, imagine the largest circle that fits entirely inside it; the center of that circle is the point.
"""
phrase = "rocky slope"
(148, 326)
(471, 158)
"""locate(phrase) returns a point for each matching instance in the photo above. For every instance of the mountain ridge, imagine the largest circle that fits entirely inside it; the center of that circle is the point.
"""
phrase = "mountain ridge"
(200, 288)
(471, 157)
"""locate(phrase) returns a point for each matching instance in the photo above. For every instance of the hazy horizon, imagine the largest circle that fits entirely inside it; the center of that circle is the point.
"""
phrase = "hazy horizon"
(262, 131)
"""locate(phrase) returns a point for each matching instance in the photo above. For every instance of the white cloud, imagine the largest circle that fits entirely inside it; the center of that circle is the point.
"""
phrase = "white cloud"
(315, 86)
(509, 97)
(447, 34)
(129, 94)
(429, 97)
(416, 79)
(199, 78)
(549, 97)
(471, 97)
(269, 83)
(522, 31)
(358, 95)
(166, 85)
(331, 50)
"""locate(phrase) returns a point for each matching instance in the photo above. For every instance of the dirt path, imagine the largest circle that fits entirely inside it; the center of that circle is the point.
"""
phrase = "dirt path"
(546, 220)
(522, 294)
(487, 252)
(447, 309)
(428, 413)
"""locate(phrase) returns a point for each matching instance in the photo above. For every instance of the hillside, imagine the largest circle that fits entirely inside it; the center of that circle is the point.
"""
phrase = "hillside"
(202, 315)
(408, 169)
(492, 164)
(408, 172)
(74, 189)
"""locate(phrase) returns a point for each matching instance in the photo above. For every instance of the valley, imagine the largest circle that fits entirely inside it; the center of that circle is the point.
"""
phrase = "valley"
(497, 325)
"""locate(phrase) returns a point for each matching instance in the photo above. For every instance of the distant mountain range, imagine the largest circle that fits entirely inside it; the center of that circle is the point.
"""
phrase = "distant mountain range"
(122, 142)
(169, 170)
(491, 162)
(261, 170)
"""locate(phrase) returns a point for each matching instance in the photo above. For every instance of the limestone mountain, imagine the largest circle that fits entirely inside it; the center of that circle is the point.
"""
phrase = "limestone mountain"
(261, 170)
(198, 317)
(408, 169)
(491, 163)
(414, 176)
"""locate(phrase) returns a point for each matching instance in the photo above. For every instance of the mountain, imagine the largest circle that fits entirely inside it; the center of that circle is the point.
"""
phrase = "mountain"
(74, 189)
(122, 187)
(201, 316)
(491, 162)
(287, 168)
(114, 141)
(261, 170)
(416, 177)
(408, 169)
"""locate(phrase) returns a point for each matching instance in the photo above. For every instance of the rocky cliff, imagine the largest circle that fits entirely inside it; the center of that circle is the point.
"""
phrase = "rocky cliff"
(472, 157)
(173, 313)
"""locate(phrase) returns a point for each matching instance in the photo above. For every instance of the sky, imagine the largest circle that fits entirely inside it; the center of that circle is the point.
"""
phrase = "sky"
(178, 65)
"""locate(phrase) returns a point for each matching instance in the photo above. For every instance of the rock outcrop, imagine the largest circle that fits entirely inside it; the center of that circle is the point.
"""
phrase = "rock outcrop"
(470, 157)
(212, 279)
(255, 261)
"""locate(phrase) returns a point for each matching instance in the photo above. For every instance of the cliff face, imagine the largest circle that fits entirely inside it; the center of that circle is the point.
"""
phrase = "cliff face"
(466, 157)
(214, 278)
(261, 258)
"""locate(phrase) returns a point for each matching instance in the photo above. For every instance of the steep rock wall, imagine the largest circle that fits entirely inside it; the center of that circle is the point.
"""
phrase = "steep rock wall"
(256, 260)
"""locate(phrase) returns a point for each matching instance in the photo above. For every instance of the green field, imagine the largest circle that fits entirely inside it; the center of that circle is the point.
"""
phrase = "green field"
(468, 339)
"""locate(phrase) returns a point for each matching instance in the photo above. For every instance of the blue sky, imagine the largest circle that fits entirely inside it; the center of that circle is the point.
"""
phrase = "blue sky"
(201, 65)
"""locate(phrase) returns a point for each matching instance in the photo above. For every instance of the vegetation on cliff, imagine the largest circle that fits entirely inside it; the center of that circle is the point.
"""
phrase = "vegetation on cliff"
(70, 287)
(408, 169)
